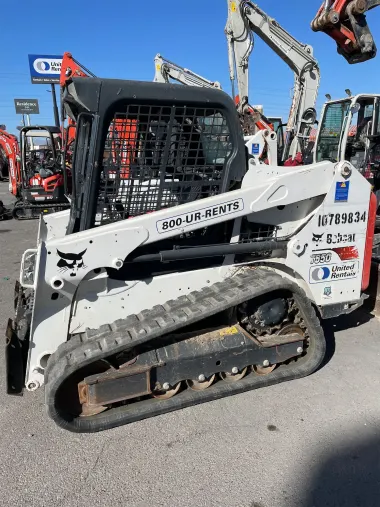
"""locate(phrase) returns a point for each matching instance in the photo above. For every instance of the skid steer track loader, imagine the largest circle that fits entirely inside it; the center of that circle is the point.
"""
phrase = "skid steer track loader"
(183, 271)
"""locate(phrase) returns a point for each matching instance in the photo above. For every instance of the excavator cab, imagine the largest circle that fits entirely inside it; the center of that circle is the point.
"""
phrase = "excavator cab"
(346, 23)
(41, 187)
(350, 130)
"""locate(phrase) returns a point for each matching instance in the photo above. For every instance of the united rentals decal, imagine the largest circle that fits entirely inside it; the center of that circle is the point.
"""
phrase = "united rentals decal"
(334, 272)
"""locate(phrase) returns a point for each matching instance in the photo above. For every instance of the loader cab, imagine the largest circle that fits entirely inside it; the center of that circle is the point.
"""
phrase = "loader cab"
(171, 146)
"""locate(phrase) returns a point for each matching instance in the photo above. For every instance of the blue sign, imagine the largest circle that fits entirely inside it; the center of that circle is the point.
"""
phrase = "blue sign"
(255, 148)
(341, 191)
(45, 68)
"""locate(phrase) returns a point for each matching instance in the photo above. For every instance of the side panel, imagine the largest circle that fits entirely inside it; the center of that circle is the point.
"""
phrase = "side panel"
(329, 252)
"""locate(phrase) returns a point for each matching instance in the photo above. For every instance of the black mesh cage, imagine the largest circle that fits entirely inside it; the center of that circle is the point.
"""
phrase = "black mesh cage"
(157, 157)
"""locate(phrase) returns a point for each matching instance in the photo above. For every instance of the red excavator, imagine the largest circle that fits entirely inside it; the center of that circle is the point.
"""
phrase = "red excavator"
(9, 159)
(40, 183)
(346, 23)
(122, 137)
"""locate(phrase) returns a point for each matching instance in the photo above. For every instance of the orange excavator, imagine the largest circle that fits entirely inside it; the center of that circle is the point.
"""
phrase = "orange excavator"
(122, 137)
(9, 159)
(39, 180)
(345, 21)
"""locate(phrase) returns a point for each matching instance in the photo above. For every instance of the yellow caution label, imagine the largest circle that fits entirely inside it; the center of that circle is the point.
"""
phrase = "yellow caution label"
(228, 331)
(158, 67)
(233, 6)
(343, 185)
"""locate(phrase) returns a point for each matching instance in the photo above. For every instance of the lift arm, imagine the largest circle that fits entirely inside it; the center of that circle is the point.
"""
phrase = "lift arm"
(166, 70)
(245, 19)
(346, 23)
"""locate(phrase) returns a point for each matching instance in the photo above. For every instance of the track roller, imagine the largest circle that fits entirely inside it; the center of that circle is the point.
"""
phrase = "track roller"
(166, 391)
(234, 375)
(201, 383)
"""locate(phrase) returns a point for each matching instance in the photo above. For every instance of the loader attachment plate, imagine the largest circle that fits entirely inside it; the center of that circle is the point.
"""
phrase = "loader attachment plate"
(17, 340)
(14, 361)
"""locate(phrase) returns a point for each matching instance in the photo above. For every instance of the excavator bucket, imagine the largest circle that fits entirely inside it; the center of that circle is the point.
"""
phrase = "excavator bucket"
(345, 21)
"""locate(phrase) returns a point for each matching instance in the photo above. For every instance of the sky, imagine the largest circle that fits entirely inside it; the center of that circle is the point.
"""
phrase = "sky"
(119, 39)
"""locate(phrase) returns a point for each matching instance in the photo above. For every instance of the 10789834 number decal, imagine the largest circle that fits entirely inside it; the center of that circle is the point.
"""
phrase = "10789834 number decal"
(353, 217)
(322, 258)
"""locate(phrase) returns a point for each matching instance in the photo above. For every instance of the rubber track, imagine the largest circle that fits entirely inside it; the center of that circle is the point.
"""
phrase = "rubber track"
(95, 344)
(36, 207)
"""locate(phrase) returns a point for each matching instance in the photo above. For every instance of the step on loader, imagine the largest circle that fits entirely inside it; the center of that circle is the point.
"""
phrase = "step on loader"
(183, 272)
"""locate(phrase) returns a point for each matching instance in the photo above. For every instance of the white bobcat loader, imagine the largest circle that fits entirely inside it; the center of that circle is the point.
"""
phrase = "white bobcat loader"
(182, 272)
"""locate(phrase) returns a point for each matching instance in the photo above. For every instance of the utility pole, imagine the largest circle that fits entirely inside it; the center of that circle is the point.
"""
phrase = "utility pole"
(55, 106)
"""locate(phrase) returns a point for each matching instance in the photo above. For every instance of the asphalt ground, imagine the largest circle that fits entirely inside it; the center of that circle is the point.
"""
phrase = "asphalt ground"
(313, 442)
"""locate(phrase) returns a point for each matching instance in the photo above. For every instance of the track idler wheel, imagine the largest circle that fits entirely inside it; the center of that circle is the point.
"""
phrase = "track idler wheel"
(234, 375)
(201, 383)
(166, 391)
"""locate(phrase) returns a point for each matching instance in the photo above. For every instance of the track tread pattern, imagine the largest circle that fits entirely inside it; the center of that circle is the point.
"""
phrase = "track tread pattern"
(35, 209)
(96, 344)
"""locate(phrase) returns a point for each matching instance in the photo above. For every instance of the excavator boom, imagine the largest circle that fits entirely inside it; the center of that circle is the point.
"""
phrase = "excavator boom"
(166, 70)
(345, 21)
(245, 20)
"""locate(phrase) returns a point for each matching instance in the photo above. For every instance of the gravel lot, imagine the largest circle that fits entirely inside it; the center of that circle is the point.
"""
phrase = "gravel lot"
(313, 442)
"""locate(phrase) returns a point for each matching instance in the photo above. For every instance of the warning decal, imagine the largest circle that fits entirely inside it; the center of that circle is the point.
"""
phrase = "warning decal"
(341, 191)
(202, 215)
(255, 148)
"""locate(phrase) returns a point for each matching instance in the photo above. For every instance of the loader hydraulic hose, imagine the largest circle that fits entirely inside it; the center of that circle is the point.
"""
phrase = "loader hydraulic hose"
(212, 251)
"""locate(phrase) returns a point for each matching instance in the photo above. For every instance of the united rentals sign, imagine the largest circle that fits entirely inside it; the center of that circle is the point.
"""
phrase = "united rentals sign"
(27, 106)
(45, 69)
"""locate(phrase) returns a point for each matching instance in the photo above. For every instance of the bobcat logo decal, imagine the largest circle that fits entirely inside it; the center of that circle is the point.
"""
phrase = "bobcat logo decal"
(317, 237)
(71, 261)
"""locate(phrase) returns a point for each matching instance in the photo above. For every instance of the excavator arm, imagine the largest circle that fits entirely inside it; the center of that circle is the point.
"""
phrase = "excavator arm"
(246, 19)
(167, 70)
(345, 21)
(72, 68)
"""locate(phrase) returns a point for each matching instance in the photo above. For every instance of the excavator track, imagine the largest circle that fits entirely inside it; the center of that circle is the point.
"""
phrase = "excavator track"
(96, 345)
(25, 211)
